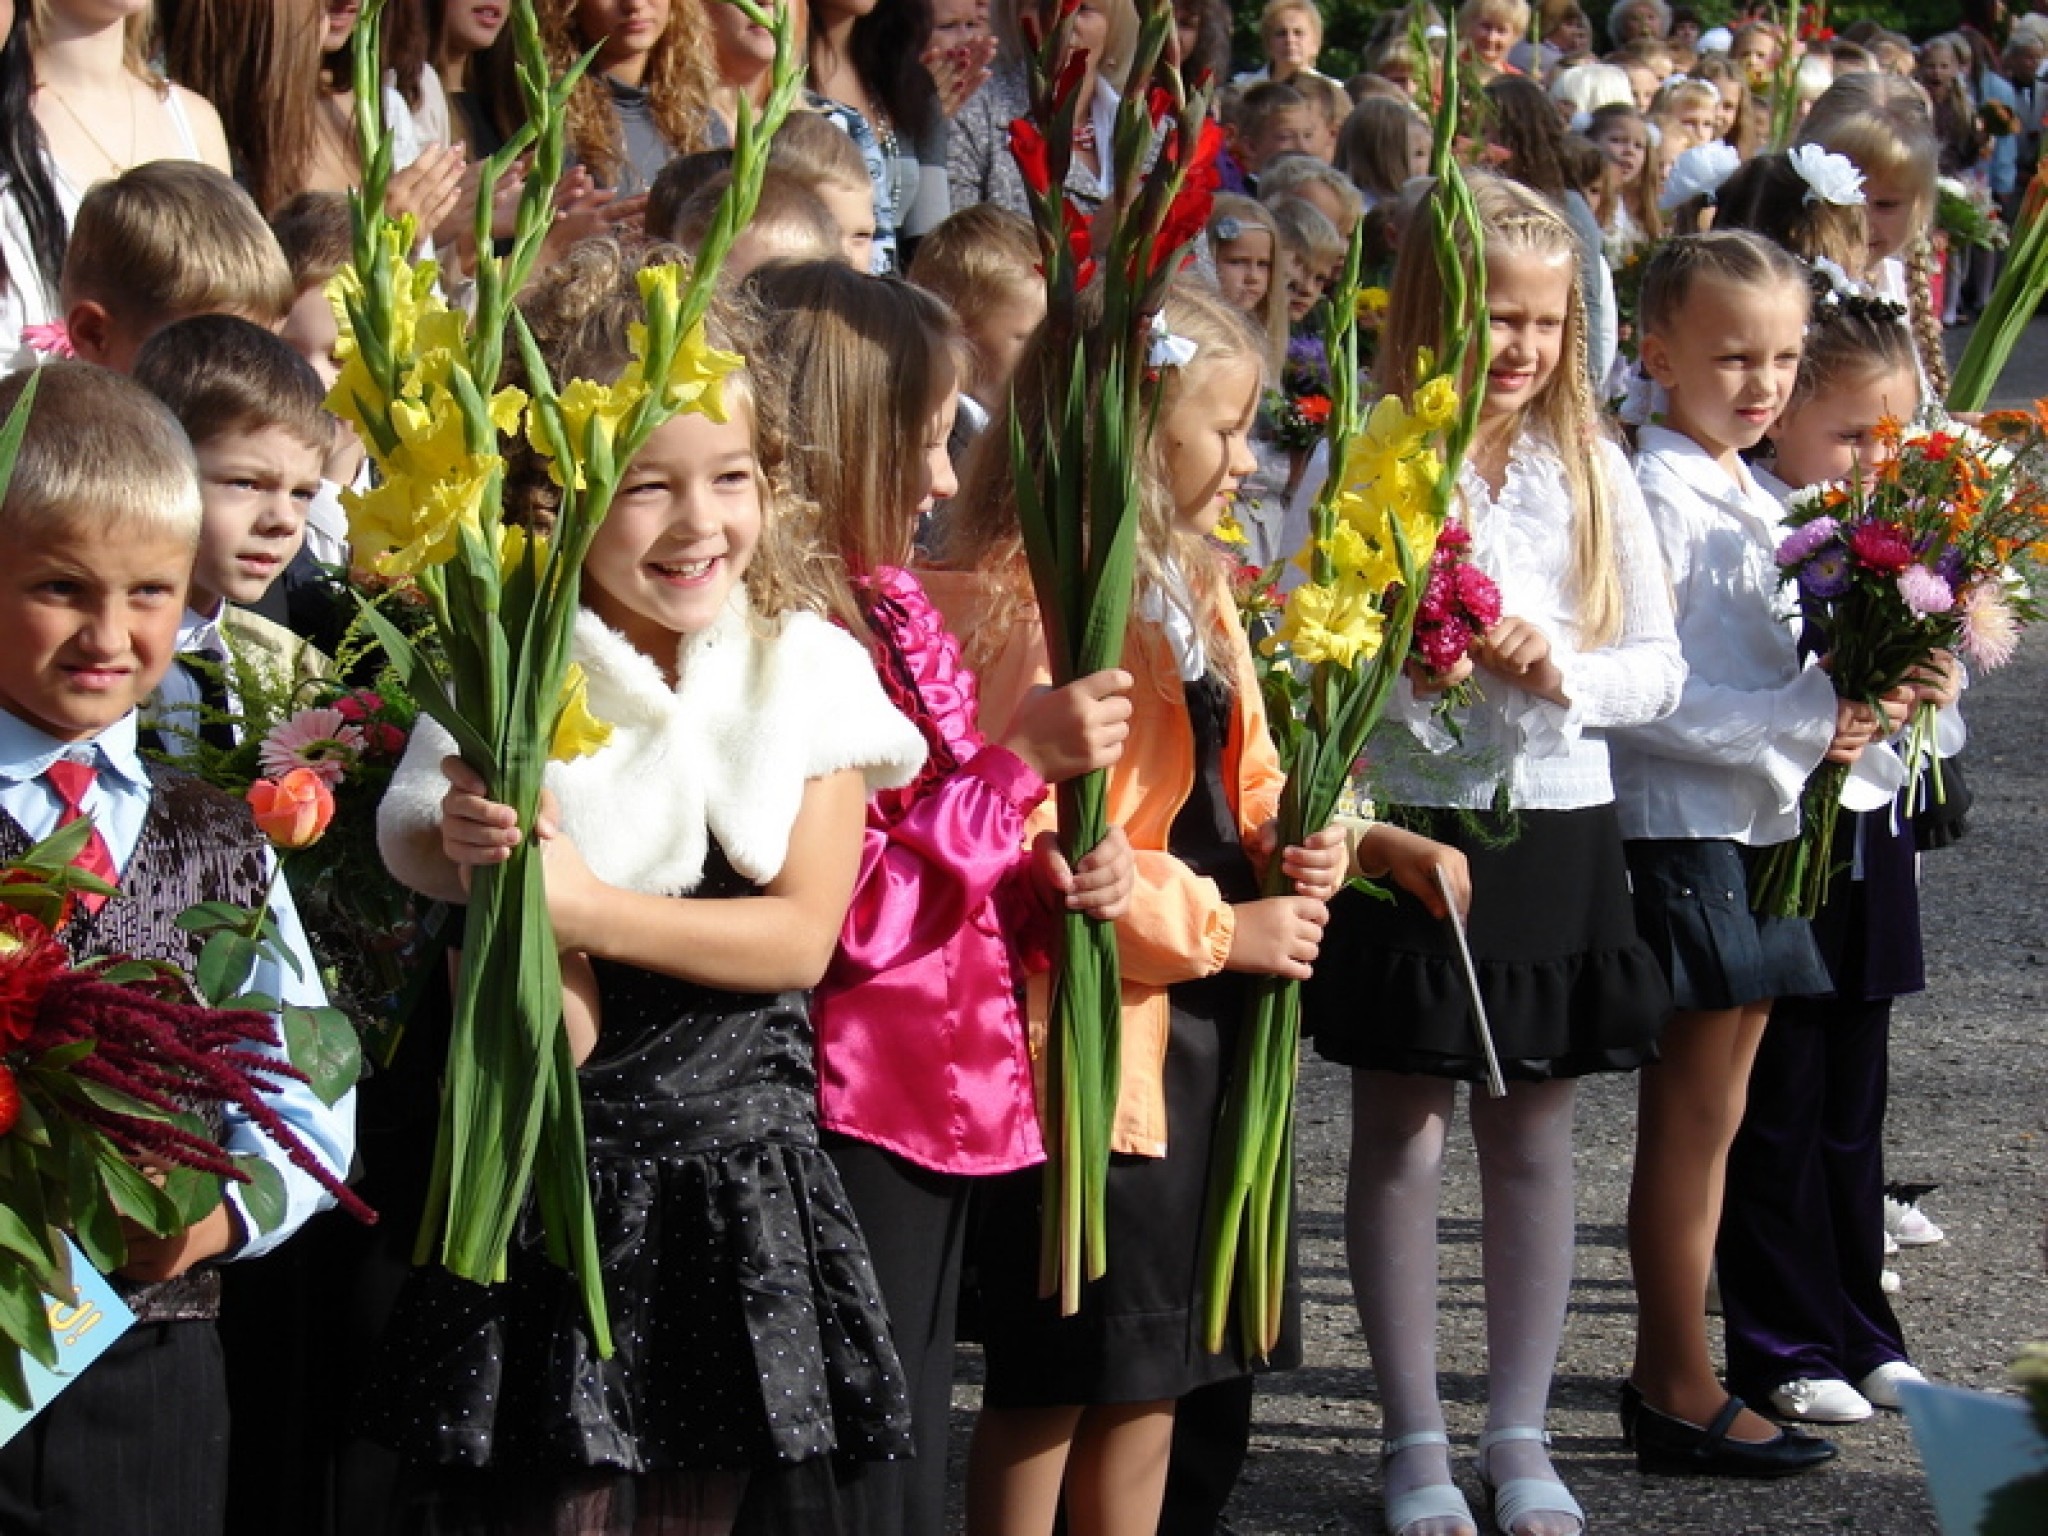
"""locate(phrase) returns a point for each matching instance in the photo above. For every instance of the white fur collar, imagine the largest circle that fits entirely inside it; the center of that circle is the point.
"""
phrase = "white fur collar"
(722, 757)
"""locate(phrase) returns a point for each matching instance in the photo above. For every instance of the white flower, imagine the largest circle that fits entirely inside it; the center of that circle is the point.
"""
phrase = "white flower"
(1828, 177)
(1951, 186)
(1698, 172)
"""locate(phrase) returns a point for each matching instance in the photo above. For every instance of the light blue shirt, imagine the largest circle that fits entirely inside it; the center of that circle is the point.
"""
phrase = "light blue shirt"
(118, 803)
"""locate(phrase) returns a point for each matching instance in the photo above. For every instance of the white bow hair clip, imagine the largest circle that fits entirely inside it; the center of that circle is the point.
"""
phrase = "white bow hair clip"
(1168, 350)
(1698, 172)
(1829, 177)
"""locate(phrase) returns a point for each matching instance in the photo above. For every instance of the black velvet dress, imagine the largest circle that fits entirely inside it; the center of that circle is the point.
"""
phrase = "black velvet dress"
(748, 1329)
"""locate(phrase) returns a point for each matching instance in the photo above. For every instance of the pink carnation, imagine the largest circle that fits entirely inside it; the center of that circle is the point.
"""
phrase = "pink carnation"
(1479, 597)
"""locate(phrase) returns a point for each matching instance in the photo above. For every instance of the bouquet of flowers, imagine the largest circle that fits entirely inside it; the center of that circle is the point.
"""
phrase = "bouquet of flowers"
(1915, 558)
(419, 382)
(1078, 506)
(104, 1067)
(1328, 671)
(1965, 212)
(1295, 415)
(1459, 604)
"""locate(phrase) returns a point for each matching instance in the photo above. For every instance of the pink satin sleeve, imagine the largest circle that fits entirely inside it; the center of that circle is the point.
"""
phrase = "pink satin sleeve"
(922, 877)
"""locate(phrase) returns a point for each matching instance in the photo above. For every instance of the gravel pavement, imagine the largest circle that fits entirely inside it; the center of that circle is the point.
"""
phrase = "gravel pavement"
(1969, 1112)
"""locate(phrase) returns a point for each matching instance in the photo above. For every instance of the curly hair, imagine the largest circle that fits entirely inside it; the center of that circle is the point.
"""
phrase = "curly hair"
(679, 82)
(580, 311)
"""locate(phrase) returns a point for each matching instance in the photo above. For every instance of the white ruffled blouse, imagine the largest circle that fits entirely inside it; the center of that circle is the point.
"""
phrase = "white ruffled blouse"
(1548, 756)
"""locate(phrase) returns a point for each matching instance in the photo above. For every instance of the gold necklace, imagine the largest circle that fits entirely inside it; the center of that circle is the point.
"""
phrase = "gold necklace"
(120, 166)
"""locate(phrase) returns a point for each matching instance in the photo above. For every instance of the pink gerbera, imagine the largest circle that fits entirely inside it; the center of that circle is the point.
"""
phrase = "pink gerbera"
(319, 739)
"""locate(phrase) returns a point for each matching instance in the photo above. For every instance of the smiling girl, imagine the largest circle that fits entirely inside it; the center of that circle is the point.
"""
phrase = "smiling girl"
(1520, 787)
(1084, 1405)
(698, 873)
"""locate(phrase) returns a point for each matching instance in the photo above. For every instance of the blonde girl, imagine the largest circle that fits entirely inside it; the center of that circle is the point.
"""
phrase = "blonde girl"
(1686, 113)
(924, 1071)
(1244, 245)
(1625, 201)
(1724, 315)
(747, 734)
(1081, 1409)
(1584, 645)
(1882, 125)
(1734, 123)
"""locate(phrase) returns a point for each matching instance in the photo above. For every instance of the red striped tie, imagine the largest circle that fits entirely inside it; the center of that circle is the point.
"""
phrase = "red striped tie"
(72, 781)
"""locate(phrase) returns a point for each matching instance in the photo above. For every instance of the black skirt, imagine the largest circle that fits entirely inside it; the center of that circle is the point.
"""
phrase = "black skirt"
(1569, 988)
(1692, 908)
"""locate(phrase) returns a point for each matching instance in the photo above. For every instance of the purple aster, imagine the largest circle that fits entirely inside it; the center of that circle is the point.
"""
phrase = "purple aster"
(1826, 575)
(1805, 539)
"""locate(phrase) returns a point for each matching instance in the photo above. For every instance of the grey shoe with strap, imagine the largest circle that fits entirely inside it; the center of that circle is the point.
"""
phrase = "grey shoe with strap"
(1515, 1500)
(1432, 1501)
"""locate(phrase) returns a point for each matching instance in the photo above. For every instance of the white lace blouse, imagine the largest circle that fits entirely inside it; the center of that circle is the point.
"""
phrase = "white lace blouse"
(1546, 756)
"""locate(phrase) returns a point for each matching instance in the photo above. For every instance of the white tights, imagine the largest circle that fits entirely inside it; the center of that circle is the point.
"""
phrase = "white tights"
(1398, 1128)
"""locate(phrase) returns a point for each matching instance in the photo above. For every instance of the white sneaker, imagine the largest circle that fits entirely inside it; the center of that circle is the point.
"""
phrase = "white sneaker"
(1891, 1246)
(1881, 1387)
(1888, 1282)
(1820, 1402)
(1908, 1225)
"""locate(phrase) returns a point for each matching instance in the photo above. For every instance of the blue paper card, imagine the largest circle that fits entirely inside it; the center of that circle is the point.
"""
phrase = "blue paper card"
(83, 1327)
(1972, 1444)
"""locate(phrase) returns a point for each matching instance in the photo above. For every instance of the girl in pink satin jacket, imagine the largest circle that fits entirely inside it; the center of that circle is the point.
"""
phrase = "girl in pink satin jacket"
(924, 1072)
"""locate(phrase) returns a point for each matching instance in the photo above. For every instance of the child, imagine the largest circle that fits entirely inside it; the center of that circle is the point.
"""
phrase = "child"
(1270, 120)
(314, 232)
(1801, 1248)
(1383, 144)
(1328, 191)
(752, 1344)
(790, 223)
(163, 241)
(97, 532)
(983, 263)
(1244, 244)
(1328, 106)
(1723, 315)
(812, 148)
(1313, 253)
(1686, 112)
(949, 906)
(1881, 124)
(1733, 123)
(1088, 1401)
(254, 412)
(1521, 786)
(1626, 204)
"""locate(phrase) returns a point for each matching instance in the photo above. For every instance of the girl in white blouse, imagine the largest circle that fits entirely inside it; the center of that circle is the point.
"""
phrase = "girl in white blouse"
(1516, 777)
(1724, 315)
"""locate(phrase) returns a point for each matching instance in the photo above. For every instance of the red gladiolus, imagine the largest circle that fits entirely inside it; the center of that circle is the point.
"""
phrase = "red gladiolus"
(1159, 102)
(1079, 243)
(10, 1100)
(1071, 74)
(1027, 148)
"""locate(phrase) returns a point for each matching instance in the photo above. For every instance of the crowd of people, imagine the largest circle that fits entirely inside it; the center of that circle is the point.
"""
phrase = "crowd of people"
(806, 974)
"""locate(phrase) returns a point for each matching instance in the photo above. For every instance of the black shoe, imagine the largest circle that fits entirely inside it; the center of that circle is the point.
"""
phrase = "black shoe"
(1673, 1448)
(1631, 1408)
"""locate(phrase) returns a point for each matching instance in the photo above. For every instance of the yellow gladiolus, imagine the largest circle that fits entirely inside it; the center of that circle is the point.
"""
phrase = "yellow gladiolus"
(578, 733)
(1340, 624)
(512, 544)
(696, 380)
(583, 401)
(412, 524)
(1229, 530)
(1436, 405)
(1372, 303)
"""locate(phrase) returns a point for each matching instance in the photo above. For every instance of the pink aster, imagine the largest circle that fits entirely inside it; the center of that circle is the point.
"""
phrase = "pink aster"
(319, 739)
(1925, 592)
(1990, 633)
(1443, 646)
(1805, 539)
(1479, 597)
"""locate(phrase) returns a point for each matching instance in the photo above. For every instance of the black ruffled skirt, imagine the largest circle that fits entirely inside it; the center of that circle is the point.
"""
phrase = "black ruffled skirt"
(748, 1328)
(1569, 987)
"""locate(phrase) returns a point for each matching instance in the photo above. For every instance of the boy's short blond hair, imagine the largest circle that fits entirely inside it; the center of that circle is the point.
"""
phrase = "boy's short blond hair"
(813, 148)
(316, 235)
(173, 238)
(1305, 232)
(1325, 97)
(98, 451)
(790, 215)
(977, 258)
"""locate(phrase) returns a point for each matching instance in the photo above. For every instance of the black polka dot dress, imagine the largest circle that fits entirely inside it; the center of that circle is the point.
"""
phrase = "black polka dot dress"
(748, 1329)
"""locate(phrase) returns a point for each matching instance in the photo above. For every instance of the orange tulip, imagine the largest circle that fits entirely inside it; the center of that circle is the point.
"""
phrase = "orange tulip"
(292, 811)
